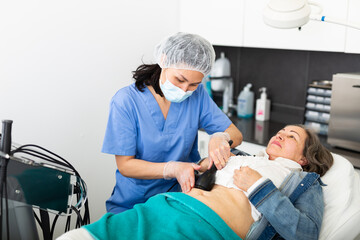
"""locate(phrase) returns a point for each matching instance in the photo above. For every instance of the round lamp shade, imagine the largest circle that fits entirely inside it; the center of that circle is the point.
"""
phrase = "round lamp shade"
(286, 13)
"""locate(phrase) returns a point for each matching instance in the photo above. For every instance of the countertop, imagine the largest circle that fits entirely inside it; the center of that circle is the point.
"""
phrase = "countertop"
(259, 132)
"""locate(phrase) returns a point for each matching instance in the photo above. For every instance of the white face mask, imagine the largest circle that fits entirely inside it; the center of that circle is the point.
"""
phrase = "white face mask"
(173, 93)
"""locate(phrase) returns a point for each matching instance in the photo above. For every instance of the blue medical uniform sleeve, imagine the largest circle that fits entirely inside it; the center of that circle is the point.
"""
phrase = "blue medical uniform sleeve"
(212, 119)
(120, 134)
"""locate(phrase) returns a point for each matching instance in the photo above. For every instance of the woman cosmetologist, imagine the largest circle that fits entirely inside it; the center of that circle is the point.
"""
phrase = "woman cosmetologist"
(153, 123)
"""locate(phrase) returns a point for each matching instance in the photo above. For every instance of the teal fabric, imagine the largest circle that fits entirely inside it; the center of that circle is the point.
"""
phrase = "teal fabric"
(164, 216)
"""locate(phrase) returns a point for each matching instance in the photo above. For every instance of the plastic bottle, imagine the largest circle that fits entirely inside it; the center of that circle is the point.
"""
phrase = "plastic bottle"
(262, 106)
(207, 84)
(245, 102)
(220, 70)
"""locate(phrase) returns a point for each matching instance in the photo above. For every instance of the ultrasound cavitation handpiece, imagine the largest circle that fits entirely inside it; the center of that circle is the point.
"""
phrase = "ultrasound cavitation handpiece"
(206, 181)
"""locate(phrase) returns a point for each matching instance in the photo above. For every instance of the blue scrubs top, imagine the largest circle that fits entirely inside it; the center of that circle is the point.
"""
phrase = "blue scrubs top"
(136, 127)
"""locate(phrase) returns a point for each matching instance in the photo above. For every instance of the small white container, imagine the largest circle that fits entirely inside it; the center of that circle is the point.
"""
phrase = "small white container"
(320, 91)
(310, 105)
(220, 73)
(311, 98)
(245, 102)
(327, 108)
(319, 106)
(327, 100)
(312, 90)
(262, 106)
(320, 99)
(328, 93)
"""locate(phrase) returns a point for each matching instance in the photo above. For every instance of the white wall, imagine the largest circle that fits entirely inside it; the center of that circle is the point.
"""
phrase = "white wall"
(60, 64)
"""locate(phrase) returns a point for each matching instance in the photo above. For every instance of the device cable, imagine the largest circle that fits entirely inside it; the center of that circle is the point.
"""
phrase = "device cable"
(47, 155)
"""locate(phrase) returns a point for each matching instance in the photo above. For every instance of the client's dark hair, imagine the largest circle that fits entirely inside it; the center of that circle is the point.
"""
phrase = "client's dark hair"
(148, 75)
(319, 158)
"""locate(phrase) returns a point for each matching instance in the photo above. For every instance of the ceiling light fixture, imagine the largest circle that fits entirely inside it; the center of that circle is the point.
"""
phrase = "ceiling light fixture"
(296, 13)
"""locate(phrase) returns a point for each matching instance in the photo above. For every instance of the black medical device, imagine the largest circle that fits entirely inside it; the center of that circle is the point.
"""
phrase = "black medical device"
(32, 177)
(206, 180)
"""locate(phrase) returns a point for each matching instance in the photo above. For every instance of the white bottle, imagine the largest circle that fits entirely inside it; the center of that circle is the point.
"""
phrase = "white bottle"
(220, 72)
(245, 103)
(262, 106)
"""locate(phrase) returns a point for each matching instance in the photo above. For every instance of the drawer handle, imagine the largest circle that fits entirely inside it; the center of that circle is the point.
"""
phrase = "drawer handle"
(356, 86)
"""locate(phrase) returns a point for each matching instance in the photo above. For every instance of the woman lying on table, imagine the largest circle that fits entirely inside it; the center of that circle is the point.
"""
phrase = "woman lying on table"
(290, 210)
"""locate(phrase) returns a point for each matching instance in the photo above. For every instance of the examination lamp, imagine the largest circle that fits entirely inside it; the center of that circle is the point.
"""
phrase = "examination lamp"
(296, 13)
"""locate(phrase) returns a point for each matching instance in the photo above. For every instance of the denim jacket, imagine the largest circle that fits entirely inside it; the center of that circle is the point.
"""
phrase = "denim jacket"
(294, 211)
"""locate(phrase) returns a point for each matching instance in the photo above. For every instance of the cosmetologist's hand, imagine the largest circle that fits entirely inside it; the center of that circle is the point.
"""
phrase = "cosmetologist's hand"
(245, 177)
(183, 172)
(219, 149)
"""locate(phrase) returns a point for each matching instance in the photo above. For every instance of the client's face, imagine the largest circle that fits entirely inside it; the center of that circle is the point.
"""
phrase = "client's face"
(288, 143)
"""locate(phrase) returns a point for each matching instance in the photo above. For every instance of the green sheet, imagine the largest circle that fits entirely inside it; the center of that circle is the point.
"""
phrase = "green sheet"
(164, 216)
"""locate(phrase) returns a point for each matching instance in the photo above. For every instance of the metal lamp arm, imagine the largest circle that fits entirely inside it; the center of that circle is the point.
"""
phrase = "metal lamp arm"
(317, 16)
(321, 18)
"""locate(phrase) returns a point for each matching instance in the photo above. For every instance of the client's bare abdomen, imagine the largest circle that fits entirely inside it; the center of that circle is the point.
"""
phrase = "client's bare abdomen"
(230, 204)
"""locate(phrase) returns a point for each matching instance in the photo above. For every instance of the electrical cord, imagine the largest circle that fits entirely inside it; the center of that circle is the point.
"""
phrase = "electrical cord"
(24, 147)
(79, 190)
(53, 225)
(41, 156)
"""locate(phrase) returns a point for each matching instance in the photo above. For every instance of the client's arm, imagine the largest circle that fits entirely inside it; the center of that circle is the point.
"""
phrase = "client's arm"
(301, 220)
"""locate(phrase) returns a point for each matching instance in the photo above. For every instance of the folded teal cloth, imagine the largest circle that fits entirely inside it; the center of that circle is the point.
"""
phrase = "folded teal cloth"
(165, 216)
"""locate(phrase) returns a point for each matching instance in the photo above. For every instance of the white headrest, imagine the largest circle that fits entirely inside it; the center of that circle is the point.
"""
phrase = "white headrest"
(342, 201)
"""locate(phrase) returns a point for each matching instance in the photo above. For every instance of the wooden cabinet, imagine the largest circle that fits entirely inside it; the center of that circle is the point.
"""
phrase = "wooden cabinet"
(220, 22)
(353, 35)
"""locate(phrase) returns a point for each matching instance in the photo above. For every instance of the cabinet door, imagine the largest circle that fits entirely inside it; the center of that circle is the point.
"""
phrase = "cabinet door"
(317, 36)
(353, 35)
(219, 21)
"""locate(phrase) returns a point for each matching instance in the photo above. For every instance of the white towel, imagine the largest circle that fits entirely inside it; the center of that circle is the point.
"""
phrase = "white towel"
(275, 170)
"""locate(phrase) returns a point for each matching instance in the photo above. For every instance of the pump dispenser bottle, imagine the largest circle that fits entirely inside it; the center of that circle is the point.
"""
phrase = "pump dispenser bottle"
(245, 102)
(262, 106)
